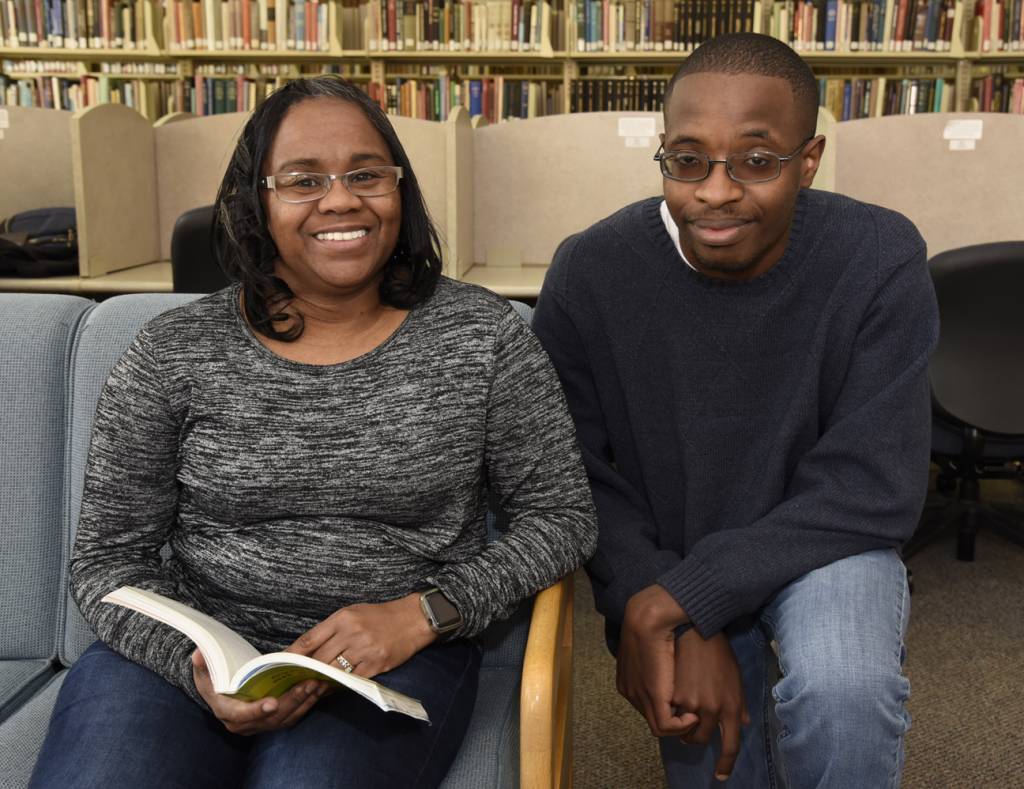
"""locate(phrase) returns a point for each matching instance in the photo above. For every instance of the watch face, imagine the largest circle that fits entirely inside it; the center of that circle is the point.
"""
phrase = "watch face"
(442, 611)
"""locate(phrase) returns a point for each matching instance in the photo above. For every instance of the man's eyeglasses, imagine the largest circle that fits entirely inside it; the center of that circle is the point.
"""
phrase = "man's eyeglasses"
(755, 167)
(306, 187)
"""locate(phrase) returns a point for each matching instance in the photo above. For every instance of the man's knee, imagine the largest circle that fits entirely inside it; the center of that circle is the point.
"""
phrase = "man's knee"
(839, 698)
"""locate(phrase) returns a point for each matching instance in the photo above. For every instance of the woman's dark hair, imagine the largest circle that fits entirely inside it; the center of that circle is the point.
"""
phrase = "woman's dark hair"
(245, 248)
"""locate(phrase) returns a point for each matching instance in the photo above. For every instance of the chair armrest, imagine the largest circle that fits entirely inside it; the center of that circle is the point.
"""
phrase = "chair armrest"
(545, 707)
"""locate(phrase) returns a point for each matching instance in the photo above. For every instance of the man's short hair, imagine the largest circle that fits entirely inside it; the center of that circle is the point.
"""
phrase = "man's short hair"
(753, 53)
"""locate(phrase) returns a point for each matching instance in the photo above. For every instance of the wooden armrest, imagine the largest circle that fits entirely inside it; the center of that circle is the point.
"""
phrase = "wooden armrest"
(545, 711)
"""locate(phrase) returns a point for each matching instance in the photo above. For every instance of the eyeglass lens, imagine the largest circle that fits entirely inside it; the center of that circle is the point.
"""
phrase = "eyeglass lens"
(367, 182)
(745, 167)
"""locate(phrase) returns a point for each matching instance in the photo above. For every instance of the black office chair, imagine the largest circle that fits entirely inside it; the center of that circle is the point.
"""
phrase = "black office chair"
(194, 265)
(977, 378)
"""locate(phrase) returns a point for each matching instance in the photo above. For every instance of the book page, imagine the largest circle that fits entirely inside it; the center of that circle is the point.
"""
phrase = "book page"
(273, 674)
(224, 650)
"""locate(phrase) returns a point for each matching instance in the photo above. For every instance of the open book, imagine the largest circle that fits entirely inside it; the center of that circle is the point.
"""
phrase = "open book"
(238, 669)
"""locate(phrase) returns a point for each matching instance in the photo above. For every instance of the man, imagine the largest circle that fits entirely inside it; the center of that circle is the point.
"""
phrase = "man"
(746, 363)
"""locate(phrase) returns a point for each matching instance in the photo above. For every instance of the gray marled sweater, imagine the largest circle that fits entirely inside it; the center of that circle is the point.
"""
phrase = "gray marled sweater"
(287, 490)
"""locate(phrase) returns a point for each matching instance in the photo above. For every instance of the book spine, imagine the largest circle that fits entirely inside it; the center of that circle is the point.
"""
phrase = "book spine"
(475, 97)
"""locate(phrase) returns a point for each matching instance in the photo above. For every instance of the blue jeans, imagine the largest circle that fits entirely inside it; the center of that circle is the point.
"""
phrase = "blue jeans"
(117, 725)
(839, 717)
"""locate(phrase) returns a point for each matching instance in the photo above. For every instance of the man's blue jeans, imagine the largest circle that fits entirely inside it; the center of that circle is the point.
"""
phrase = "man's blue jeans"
(117, 725)
(839, 714)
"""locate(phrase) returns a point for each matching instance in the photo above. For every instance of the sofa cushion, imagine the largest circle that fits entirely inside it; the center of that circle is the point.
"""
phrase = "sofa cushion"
(108, 330)
(38, 332)
(489, 755)
(19, 679)
(22, 734)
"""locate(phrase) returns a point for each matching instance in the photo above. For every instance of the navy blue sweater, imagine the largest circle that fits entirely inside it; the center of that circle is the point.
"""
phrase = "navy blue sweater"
(738, 435)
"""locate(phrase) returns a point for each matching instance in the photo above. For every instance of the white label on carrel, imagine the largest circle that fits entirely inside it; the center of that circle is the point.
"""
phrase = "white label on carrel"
(637, 127)
(963, 130)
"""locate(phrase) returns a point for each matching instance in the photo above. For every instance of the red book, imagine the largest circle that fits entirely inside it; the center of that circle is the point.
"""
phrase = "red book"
(199, 98)
(900, 24)
(179, 24)
(40, 27)
(105, 22)
(246, 23)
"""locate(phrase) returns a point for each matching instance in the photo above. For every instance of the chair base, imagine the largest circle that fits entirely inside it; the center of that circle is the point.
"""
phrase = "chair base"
(968, 516)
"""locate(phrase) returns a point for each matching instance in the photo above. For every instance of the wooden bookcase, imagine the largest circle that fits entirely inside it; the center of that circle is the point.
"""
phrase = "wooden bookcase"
(156, 71)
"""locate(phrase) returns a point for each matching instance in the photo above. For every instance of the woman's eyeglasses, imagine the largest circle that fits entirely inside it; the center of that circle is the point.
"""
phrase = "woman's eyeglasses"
(306, 187)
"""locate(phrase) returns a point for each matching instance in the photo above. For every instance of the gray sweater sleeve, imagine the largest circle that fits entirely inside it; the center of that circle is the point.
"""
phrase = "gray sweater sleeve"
(129, 505)
(533, 466)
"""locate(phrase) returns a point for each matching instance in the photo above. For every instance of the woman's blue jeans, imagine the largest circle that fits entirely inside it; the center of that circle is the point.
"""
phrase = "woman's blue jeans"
(838, 719)
(117, 725)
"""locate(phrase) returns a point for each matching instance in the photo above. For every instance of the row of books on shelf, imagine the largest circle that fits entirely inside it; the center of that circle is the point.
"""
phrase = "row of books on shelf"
(999, 26)
(182, 24)
(998, 93)
(617, 94)
(281, 25)
(378, 25)
(80, 24)
(495, 98)
(525, 26)
(153, 99)
(850, 99)
(660, 25)
(469, 25)
(865, 25)
(299, 25)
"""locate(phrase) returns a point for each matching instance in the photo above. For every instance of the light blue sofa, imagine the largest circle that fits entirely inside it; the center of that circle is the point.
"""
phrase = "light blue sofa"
(55, 354)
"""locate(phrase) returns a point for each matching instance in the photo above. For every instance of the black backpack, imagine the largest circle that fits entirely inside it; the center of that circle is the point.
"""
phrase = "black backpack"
(39, 243)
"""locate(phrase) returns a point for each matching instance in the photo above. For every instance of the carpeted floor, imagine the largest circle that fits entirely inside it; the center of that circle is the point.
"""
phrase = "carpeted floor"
(965, 663)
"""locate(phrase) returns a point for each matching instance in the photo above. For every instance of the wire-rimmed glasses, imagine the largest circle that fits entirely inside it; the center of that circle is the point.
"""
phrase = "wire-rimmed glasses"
(754, 167)
(301, 187)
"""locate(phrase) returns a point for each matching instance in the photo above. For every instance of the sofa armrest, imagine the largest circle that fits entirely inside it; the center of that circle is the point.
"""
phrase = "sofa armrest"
(545, 712)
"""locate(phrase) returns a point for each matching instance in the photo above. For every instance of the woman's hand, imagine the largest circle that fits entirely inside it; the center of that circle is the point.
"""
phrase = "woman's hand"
(254, 717)
(373, 637)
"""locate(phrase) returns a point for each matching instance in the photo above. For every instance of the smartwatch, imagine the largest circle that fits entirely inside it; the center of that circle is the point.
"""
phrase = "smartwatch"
(442, 616)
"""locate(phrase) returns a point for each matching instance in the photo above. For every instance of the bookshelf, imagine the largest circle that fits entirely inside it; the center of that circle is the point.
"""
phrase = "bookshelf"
(500, 58)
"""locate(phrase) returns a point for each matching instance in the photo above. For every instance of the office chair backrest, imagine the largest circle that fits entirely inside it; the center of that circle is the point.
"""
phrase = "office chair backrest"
(977, 372)
(194, 267)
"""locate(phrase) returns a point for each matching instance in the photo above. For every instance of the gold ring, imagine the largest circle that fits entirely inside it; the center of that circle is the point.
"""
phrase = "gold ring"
(345, 665)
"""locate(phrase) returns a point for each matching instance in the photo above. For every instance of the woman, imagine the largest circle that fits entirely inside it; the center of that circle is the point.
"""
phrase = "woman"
(314, 444)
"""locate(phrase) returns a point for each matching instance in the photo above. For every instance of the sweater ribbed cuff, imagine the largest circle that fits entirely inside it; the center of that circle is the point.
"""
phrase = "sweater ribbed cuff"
(628, 581)
(707, 602)
(455, 589)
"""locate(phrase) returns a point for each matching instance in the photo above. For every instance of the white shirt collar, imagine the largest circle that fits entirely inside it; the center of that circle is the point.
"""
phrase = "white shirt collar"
(673, 232)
